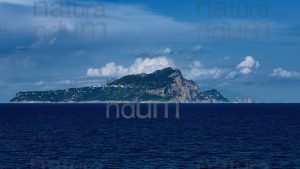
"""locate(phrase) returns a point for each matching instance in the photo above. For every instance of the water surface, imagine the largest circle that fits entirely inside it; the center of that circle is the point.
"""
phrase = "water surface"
(205, 136)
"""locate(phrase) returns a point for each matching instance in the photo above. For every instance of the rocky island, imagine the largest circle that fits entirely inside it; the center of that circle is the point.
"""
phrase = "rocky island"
(167, 85)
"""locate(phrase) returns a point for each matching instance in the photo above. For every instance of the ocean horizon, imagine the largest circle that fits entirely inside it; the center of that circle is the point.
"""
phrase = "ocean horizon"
(204, 136)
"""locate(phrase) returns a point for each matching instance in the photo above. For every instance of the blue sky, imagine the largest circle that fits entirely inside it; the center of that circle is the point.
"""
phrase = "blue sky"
(242, 48)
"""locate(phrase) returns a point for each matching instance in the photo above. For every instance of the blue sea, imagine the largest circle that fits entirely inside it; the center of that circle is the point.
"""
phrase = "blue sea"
(203, 136)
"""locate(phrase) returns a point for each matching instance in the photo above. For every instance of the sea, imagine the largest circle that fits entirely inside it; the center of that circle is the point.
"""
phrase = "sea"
(149, 136)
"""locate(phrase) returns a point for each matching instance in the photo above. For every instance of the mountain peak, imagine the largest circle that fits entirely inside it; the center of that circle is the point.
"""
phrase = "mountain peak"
(157, 78)
(167, 83)
(168, 72)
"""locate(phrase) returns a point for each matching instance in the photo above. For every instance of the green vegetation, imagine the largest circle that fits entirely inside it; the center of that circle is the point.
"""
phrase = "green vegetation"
(163, 85)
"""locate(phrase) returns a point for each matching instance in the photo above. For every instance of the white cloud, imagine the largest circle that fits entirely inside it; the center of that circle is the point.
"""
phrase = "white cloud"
(231, 75)
(199, 71)
(167, 51)
(279, 72)
(140, 65)
(60, 82)
(197, 48)
(149, 65)
(247, 65)
(110, 69)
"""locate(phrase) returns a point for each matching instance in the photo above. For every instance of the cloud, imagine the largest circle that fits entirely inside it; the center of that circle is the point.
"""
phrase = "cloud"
(121, 22)
(245, 67)
(60, 82)
(140, 65)
(167, 51)
(248, 65)
(231, 75)
(149, 65)
(197, 48)
(279, 72)
(110, 69)
(18, 2)
(199, 71)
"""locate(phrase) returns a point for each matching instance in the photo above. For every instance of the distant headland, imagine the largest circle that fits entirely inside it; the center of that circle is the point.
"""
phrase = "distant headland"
(166, 85)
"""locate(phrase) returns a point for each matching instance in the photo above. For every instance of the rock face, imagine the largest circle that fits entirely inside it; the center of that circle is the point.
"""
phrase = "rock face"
(167, 85)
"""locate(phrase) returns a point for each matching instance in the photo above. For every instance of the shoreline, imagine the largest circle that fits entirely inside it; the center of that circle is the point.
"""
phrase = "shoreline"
(116, 102)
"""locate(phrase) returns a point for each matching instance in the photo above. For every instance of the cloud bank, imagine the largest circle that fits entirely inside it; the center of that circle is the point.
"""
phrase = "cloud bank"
(282, 73)
(199, 71)
(140, 65)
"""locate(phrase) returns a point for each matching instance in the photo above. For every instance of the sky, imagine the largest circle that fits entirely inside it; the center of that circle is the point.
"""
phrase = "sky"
(244, 48)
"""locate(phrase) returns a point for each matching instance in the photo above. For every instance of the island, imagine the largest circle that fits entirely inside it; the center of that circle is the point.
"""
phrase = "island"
(166, 85)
